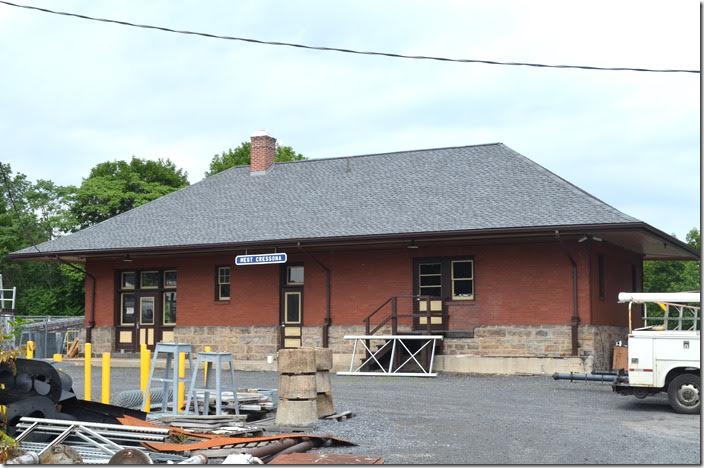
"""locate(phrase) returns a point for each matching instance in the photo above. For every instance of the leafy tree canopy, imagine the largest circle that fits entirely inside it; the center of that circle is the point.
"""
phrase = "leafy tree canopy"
(241, 156)
(31, 214)
(114, 187)
(674, 276)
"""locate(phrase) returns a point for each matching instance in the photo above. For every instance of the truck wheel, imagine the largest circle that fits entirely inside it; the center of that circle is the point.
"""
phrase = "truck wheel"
(683, 393)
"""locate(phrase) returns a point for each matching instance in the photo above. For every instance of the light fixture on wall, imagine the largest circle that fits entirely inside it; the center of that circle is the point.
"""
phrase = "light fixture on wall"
(589, 236)
(412, 245)
(127, 259)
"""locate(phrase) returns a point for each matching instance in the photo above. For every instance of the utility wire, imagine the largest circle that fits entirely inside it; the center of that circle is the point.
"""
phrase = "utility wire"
(338, 49)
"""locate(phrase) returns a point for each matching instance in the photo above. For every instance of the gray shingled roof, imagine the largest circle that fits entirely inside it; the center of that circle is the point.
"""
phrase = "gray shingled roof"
(447, 189)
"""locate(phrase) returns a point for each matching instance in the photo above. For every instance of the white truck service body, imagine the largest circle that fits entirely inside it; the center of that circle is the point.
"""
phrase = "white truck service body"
(662, 359)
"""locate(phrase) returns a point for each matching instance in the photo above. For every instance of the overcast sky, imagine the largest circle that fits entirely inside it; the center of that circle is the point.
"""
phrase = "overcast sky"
(75, 93)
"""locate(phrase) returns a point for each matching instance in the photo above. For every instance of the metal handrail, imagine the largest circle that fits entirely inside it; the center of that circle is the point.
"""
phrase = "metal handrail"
(368, 317)
(395, 315)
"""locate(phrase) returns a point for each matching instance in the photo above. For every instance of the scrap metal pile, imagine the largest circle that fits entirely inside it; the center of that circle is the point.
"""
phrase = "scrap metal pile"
(52, 426)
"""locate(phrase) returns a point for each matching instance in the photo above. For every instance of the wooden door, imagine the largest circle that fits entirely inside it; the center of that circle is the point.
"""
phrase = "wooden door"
(430, 283)
(147, 323)
(291, 310)
(145, 308)
(291, 318)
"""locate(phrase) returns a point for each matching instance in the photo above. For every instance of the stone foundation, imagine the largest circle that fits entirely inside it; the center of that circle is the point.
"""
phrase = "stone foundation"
(600, 341)
(551, 341)
(524, 343)
(244, 343)
(102, 339)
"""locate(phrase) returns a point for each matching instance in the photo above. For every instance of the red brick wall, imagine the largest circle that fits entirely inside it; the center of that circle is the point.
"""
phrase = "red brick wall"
(617, 278)
(521, 284)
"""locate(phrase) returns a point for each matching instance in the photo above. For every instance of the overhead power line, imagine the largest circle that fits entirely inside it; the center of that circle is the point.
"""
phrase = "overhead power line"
(346, 51)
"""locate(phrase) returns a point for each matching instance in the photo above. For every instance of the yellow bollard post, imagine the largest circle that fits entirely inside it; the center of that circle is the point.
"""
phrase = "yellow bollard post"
(105, 374)
(58, 358)
(30, 349)
(145, 357)
(181, 384)
(206, 349)
(87, 351)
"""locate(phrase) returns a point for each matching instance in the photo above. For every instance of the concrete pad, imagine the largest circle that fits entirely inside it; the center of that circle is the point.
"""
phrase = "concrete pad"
(510, 365)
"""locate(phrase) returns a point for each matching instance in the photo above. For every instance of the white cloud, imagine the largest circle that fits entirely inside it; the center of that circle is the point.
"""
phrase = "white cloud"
(83, 92)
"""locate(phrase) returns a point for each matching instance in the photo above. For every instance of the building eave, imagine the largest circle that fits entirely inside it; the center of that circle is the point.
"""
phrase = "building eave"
(492, 233)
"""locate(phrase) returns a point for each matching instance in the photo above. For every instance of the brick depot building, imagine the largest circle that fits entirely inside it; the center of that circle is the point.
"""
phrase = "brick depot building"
(523, 268)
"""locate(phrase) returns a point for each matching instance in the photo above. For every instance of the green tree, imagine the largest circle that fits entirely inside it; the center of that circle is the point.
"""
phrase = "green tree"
(674, 276)
(31, 214)
(241, 156)
(114, 187)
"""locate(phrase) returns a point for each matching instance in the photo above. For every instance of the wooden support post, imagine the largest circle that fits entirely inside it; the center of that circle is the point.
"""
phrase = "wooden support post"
(105, 374)
(87, 382)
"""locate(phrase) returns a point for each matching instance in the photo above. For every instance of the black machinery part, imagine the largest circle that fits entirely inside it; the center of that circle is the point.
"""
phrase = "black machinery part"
(36, 388)
(32, 377)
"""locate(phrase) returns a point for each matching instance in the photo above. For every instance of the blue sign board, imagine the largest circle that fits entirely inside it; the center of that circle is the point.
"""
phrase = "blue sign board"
(261, 259)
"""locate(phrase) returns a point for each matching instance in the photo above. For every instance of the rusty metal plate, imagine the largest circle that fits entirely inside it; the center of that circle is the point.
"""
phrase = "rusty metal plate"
(312, 458)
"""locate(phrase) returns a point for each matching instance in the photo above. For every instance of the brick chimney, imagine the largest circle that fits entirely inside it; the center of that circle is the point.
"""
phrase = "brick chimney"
(263, 152)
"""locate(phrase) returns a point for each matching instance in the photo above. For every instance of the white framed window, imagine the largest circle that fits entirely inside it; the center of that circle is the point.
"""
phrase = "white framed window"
(223, 284)
(169, 308)
(462, 279)
(294, 275)
(127, 308)
(430, 279)
(292, 306)
(128, 279)
(170, 279)
(146, 310)
(149, 280)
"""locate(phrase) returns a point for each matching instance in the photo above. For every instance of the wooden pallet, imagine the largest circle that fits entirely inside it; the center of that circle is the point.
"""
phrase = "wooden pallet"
(340, 416)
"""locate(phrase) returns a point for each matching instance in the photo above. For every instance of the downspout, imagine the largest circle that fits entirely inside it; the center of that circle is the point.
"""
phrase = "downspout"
(575, 310)
(328, 320)
(91, 319)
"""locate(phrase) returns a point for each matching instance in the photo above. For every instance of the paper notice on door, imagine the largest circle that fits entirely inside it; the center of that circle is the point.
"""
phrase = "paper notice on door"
(129, 310)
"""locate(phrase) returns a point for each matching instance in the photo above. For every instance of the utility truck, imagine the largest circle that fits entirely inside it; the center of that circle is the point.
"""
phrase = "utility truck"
(664, 354)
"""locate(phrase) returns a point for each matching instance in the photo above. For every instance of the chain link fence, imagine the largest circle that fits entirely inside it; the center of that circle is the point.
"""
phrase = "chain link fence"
(51, 334)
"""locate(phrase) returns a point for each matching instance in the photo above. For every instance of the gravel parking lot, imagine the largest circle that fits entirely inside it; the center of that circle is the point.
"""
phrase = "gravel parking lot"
(488, 419)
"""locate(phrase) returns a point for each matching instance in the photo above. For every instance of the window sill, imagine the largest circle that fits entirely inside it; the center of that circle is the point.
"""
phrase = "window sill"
(461, 302)
(221, 301)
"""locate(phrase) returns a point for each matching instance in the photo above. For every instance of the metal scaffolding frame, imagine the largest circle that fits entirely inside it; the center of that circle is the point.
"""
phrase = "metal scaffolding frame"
(397, 345)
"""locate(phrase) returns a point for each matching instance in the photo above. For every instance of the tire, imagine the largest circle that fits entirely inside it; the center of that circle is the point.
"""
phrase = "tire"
(683, 393)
